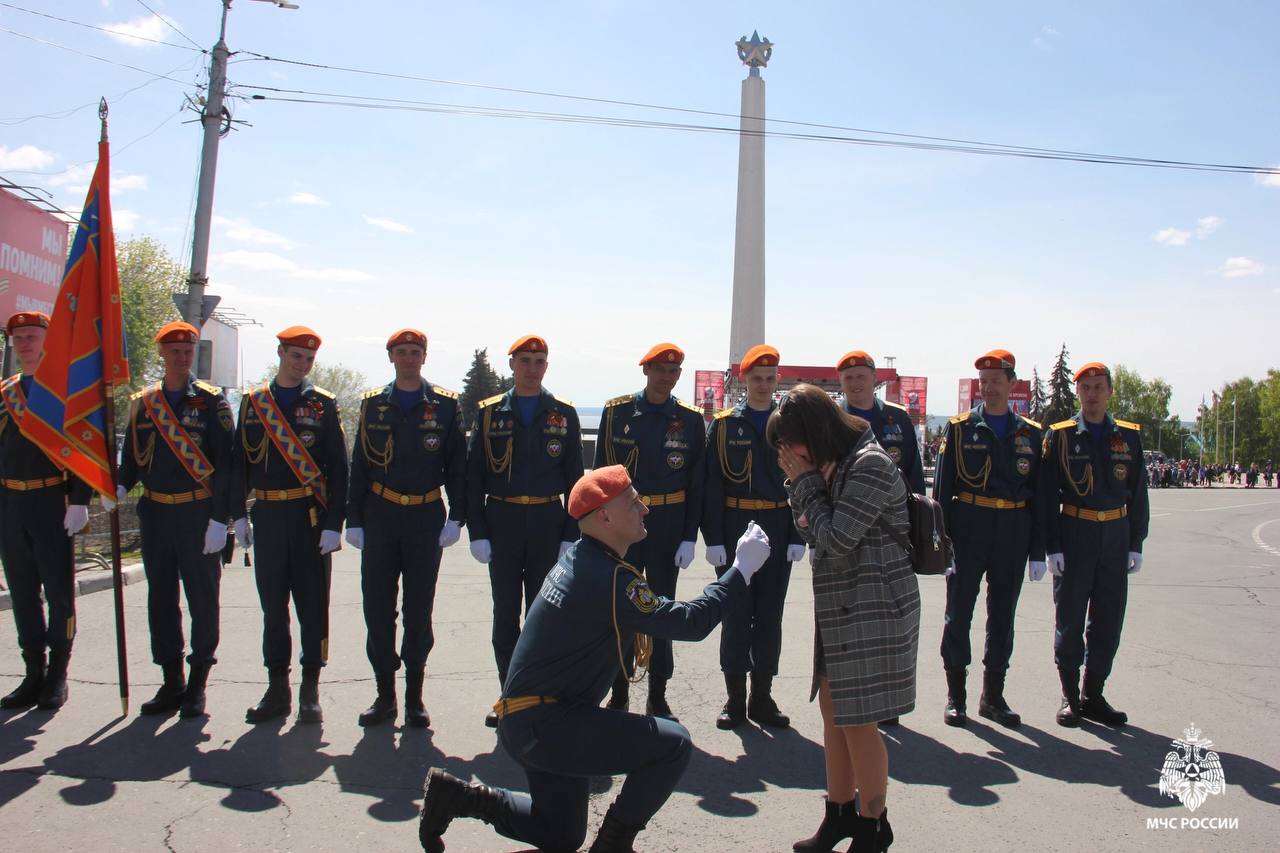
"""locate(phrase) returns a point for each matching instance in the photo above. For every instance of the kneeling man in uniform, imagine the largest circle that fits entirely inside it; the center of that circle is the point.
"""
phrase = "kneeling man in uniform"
(592, 605)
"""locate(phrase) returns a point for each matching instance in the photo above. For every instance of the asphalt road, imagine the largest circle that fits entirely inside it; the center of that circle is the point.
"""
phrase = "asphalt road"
(1200, 646)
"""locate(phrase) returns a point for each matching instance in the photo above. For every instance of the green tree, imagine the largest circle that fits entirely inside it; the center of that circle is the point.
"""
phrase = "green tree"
(1039, 399)
(1135, 399)
(480, 383)
(148, 277)
(1062, 397)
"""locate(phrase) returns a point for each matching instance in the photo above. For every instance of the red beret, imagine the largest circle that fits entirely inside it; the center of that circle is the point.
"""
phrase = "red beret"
(855, 358)
(760, 355)
(408, 336)
(177, 332)
(665, 353)
(299, 336)
(529, 343)
(1092, 369)
(26, 318)
(596, 489)
(997, 359)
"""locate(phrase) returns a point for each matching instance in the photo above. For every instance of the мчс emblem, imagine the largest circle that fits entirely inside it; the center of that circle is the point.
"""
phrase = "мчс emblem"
(675, 460)
(1192, 771)
(554, 447)
(639, 594)
(1120, 471)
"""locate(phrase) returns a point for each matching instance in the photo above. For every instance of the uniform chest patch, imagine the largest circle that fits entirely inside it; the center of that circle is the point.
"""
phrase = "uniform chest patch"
(641, 597)
(1024, 465)
(1120, 471)
(431, 441)
(675, 460)
(554, 448)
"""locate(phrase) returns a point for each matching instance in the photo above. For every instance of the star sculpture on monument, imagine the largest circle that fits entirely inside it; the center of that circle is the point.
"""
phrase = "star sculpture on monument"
(755, 52)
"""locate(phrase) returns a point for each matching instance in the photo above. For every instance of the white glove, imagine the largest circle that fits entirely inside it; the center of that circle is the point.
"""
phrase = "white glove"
(684, 555)
(716, 555)
(109, 504)
(355, 537)
(564, 546)
(1056, 564)
(1135, 562)
(949, 571)
(215, 537)
(76, 518)
(244, 532)
(753, 550)
(795, 553)
(481, 551)
(330, 541)
(1036, 569)
(448, 534)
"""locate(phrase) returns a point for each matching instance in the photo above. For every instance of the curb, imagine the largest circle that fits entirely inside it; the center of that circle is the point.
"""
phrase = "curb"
(87, 582)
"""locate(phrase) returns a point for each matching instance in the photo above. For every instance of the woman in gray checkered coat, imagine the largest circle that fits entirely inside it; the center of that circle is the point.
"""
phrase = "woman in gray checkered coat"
(847, 495)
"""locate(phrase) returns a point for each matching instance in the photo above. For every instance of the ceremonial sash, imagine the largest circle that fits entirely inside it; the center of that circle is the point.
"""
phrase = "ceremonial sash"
(175, 435)
(14, 400)
(295, 453)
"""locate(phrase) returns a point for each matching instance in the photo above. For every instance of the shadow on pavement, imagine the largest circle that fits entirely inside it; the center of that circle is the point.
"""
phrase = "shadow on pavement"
(718, 782)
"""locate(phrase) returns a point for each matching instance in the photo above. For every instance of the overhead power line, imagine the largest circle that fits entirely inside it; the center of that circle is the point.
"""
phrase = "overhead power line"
(967, 145)
(169, 24)
(109, 32)
(92, 56)
(407, 105)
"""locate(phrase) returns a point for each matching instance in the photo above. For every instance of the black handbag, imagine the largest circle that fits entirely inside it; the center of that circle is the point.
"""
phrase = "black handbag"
(926, 542)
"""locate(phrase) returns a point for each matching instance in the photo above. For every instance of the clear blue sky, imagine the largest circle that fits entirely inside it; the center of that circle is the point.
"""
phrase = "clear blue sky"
(606, 240)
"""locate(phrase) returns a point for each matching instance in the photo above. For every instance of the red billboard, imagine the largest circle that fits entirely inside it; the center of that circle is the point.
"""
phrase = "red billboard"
(33, 253)
(913, 392)
(1019, 396)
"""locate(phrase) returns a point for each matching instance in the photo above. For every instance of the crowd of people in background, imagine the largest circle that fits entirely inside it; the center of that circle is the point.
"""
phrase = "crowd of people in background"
(1168, 473)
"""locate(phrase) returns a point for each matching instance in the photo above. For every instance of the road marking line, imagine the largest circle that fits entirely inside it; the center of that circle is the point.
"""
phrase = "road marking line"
(1257, 538)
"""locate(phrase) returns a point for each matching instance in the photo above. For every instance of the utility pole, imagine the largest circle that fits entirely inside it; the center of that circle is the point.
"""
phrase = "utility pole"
(1233, 430)
(196, 307)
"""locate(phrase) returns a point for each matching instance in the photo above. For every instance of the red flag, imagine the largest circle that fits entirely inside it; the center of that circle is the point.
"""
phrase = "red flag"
(84, 351)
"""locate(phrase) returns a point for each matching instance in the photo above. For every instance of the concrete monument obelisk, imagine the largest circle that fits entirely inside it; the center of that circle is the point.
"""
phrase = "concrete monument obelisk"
(746, 325)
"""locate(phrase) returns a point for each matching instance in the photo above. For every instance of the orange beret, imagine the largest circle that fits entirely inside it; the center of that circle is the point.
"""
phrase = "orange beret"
(855, 358)
(177, 332)
(529, 343)
(299, 336)
(596, 489)
(997, 359)
(26, 318)
(665, 353)
(1092, 369)
(408, 336)
(760, 355)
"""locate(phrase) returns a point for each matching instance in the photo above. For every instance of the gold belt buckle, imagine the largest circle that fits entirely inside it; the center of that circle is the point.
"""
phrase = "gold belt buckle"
(523, 500)
(404, 500)
(999, 503)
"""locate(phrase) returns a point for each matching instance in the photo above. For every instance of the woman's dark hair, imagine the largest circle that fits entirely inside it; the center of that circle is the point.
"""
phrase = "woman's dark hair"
(807, 416)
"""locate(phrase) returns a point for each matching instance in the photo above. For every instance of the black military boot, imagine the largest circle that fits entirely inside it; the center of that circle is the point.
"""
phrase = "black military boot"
(28, 690)
(761, 706)
(614, 835)
(415, 712)
(955, 714)
(169, 697)
(734, 712)
(620, 696)
(447, 797)
(1092, 705)
(992, 705)
(276, 702)
(54, 691)
(872, 834)
(384, 704)
(193, 699)
(657, 704)
(1069, 713)
(309, 696)
(837, 825)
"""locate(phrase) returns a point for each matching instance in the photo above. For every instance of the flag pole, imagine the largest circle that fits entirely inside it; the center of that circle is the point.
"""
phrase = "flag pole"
(117, 574)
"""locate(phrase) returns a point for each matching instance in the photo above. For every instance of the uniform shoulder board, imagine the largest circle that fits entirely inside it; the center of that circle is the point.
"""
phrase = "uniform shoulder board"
(1064, 424)
(489, 401)
(960, 418)
(723, 413)
(618, 401)
(1129, 425)
(562, 401)
(372, 392)
(208, 388)
(324, 392)
(896, 405)
(137, 395)
(1035, 424)
(444, 392)
(690, 406)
